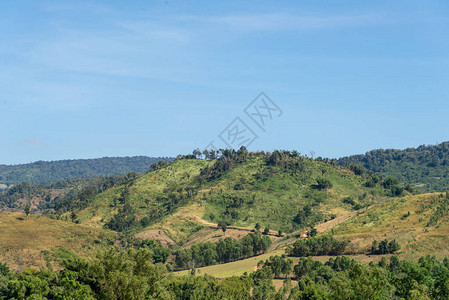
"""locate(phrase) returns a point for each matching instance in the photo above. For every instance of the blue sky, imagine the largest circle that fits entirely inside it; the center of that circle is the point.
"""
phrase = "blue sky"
(159, 78)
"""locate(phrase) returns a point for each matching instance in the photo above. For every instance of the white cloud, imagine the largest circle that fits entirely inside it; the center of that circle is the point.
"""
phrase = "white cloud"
(282, 21)
(32, 142)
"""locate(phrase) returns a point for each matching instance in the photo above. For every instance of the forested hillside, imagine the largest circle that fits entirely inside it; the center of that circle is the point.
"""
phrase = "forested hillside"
(59, 196)
(53, 171)
(426, 167)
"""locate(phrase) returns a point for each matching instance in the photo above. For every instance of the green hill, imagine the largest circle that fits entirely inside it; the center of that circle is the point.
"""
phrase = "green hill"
(279, 190)
(426, 167)
(419, 223)
(54, 171)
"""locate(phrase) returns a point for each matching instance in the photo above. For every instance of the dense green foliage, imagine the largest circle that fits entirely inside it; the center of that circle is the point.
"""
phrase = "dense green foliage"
(279, 265)
(160, 253)
(345, 278)
(121, 275)
(223, 251)
(54, 171)
(426, 167)
(314, 246)
(132, 274)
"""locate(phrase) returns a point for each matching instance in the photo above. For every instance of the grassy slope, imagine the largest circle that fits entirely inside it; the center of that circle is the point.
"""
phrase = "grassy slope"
(23, 243)
(281, 194)
(235, 268)
(386, 220)
(143, 192)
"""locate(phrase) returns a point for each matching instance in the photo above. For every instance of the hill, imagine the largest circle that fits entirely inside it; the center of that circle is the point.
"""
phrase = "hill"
(418, 223)
(54, 171)
(280, 191)
(425, 167)
(43, 242)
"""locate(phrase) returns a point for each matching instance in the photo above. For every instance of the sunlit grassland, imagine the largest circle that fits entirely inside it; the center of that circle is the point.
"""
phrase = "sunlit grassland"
(235, 268)
(391, 220)
(43, 242)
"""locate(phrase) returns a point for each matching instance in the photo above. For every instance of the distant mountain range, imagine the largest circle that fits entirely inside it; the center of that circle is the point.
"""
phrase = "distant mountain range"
(54, 171)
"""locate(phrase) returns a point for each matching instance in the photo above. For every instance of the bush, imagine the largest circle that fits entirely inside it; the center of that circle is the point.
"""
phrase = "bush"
(323, 183)
(145, 221)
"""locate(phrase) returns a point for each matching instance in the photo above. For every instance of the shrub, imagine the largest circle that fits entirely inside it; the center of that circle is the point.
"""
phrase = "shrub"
(323, 183)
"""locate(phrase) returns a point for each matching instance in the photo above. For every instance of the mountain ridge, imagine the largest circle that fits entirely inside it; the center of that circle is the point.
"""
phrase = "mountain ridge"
(54, 171)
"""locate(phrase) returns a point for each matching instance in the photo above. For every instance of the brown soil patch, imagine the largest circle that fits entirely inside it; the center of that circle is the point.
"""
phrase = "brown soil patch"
(156, 234)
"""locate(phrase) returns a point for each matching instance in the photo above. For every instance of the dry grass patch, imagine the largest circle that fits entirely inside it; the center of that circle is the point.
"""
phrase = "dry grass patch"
(23, 241)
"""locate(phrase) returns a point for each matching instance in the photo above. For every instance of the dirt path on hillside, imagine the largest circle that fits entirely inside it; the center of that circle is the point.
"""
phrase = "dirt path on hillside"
(320, 228)
(332, 223)
(215, 226)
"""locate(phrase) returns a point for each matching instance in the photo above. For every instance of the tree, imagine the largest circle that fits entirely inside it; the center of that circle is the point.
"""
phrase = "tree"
(385, 247)
(223, 226)
(312, 232)
(257, 227)
(357, 169)
(266, 231)
(197, 153)
(27, 209)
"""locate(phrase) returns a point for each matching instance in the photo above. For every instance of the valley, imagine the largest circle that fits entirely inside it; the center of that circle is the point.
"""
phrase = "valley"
(199, 216)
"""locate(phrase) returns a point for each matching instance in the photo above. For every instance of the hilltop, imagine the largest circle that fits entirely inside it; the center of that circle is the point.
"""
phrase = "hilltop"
(54, 171)
(425, 167)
